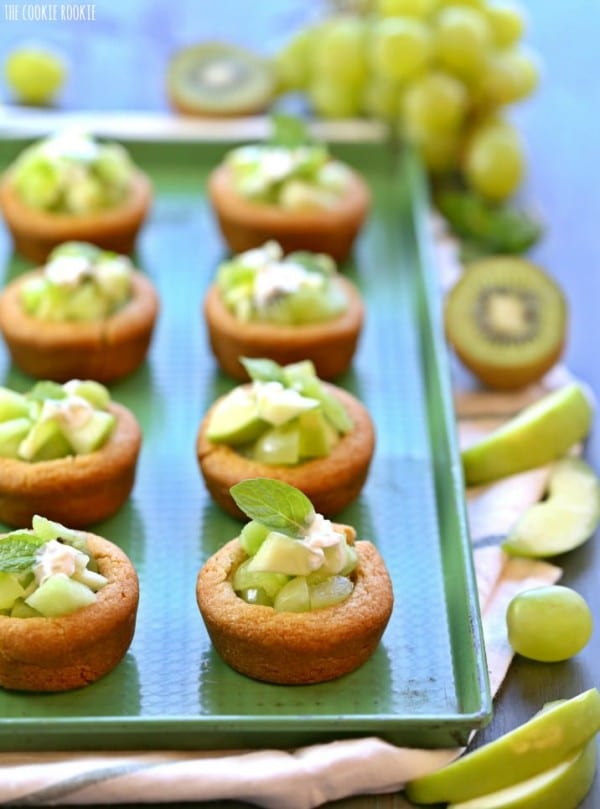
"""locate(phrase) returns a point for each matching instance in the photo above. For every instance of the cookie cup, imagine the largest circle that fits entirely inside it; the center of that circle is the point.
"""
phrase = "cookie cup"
(330, 483)
(330, 345)
(71, 651)
(245, 224)
(36, 233)
(104, 350)
(77, 490)
(294, 648)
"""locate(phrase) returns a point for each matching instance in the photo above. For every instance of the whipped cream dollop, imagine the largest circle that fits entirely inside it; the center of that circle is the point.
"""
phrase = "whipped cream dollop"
(57, 557)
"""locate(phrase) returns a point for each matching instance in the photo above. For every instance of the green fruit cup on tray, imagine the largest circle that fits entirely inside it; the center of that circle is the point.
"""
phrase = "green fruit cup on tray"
(293, 599)
(67, 452)
(72, 187)
(289, 189)
(68, 604)
(87, 313)
(289, 425)
(288, 308)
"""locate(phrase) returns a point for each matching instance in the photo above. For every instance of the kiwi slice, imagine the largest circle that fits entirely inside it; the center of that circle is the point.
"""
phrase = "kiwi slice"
(506, 319)
(220, 79)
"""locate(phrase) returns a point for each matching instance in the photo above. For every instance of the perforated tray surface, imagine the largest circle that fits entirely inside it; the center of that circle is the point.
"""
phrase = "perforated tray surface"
(426, 684)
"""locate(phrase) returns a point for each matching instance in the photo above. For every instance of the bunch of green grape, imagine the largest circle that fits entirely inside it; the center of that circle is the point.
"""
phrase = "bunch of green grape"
(440, 72)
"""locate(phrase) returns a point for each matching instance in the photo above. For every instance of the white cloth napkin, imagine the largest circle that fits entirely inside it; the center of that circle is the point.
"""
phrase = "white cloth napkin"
(309, 776)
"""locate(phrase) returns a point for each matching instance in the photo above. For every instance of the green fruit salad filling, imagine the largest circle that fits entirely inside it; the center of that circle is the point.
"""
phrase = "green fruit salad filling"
(46, 571)
(284, 417)
(52, 421)
(264, 286)
(297, 560)
(288, 171)
(79, 283)
(72, 172)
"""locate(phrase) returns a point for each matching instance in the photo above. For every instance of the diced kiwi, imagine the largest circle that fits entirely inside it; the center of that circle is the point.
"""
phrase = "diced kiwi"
(60, 595)
(506, 318)
(221, 79)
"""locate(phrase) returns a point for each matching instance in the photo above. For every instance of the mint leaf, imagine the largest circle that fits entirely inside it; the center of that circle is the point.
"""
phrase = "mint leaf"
(275, 504)
(263, 370)
(18, 551)
(288, 131)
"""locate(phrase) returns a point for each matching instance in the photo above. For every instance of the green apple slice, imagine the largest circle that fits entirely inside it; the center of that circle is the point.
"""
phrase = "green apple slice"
(60, 595)
(543, 742)
(541, 433)
(235, 419)
(565, 519)
(282, 554)
(563, 786)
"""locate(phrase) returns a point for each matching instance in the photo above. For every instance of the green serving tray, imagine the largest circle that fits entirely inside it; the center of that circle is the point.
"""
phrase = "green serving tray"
(427, 683)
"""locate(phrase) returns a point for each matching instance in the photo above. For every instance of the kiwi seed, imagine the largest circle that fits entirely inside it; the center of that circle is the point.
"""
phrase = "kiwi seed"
(506, 319)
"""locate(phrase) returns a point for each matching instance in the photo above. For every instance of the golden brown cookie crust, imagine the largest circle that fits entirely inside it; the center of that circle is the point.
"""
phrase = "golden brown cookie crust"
(36, 233)
(246, 224)
(295, 648)
(330, 483)
(330, 344)
(104, 350)
(77, 490)
(71, 651)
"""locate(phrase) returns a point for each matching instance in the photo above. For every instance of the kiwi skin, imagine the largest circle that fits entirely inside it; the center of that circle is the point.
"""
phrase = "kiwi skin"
(251, 93)
(506, 365)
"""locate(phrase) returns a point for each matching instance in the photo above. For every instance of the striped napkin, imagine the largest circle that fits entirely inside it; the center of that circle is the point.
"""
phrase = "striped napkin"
(310, 776)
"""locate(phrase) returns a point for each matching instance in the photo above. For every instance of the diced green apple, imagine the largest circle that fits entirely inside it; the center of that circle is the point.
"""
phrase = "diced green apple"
(22, 610)
(282, 554)
(246, 578)
(329, 592)
(44, 441)
(235, 419)
(94, 392)
(60, 595)
(92, 435)
(252, 536)
(279, 445)
(10, 590)
(293, 596)
(13, 405)
(314, 435)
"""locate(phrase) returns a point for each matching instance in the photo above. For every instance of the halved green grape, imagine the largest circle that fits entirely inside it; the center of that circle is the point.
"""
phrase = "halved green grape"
(462, 41)
(278, 446)
(255, 595)
(335, 99)
(330, 592)
(252, 536)
(382, 99)
(35, 73)
(292, 63)
(494, 161)
(509, 75)
(549, 623)
(400, 48)
(245, 578)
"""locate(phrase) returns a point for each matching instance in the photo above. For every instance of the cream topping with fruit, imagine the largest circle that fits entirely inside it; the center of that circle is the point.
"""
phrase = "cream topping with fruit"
(74, 411)
(79, 283)
(263, 285)
(72, 172)
(46, 571)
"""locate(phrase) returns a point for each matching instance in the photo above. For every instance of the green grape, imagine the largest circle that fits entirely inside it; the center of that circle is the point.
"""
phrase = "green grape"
(292, 64)
(494, 162)
(439, 151)
(434, 103)
(339, 52)
(34, 74)
(507, 22)
(462, 41)
(404, 8)
(480, 4)
(400, 48)
(549, 624)
(382, 99)
(509, 76)
(335, 99)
